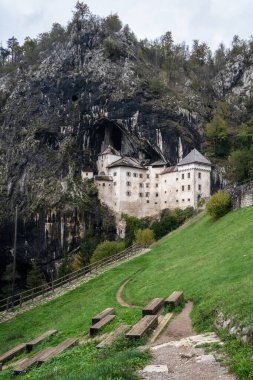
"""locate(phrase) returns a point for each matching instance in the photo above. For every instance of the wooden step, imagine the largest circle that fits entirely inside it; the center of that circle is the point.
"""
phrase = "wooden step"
(153, 306)
(34, 342)
(143, 327)
(53, 351)
(164, 320)
(94, 329)
(174, 299)
(11, 353)
(27, 363)
(104, 313)
(113, 335)
(43, 356)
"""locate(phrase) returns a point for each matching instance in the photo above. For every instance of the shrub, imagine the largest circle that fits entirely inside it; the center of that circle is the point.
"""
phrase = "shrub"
(112, 48)
(144, 237)
(107, 249)
(219, 204)
(132, 225)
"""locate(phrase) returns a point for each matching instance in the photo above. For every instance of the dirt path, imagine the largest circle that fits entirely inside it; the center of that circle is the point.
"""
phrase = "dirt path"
(119, 298)
(177, 354)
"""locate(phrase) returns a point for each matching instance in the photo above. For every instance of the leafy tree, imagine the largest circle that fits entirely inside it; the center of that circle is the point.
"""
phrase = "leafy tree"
(167, 224)
(244, 137)
(113, 23)
(88, 246)
(241, 165)
(132, 225)
(35, 277)
(217, 136)
(6, 280)
(112, 48)
(107, 249)
(219, 204)
(14, 49)
(144, 237)
(30, 51)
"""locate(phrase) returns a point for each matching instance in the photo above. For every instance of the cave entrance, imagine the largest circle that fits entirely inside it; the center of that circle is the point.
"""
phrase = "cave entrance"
(107, 133)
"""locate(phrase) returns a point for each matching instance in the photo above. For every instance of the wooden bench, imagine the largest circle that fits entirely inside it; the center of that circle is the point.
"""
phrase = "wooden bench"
(104, 313)
(175, 299)
(43, 356)
(32, 343)
(94, 329)
(153, 307)
(113, 335)
(11, 353)
(143, 327)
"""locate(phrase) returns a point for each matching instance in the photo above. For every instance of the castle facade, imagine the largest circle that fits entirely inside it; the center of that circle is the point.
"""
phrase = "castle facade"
(126, 185)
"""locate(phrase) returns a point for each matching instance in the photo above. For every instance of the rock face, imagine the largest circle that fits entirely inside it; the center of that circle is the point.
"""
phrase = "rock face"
(58, 113)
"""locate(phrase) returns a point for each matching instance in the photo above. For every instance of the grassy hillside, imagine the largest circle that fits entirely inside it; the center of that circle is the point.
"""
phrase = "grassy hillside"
(210, 261)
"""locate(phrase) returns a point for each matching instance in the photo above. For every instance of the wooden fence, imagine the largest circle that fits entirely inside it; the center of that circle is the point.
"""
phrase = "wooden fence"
(30, 295)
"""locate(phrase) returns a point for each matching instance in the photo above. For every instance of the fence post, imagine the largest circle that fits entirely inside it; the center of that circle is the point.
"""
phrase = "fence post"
(32, 295)
(8, 304)
(52, 286)
(20, 300)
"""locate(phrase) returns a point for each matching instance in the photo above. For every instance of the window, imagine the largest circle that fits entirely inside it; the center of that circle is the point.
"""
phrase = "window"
(176, 179)
(128, 183)
(115, 183)
(182, 188)
(147, 185)
(177, 200)
(182, 176)
(157, 175)
(147, 195)
(189, 175)
(128, 193)
(135, 175)
(141, 184)
(147, 176)
(165, 192)
(147, 201)
(140, 194)
(177, 190)
(156, 194)
(188, 199)
(199, 187)
(189, 187)
(155, 203)
(114, 174)
(156, 185)
(165, 201)
(128, 174)
(86, 174)
(199, 175)
(183, 200)
(103, 185)
(140, 175)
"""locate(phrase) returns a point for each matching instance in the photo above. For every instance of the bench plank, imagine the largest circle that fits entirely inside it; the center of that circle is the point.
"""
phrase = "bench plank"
(43, 356)
(32, 343)
(96, 328)
(160, 327)
(143, 326)
(104, 313)
(113, 335)
(174, 299)
(153, 306)
(53, 351)
(11, 353)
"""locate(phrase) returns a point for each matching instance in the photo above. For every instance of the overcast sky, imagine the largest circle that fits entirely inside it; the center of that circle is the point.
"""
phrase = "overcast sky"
(211, 21)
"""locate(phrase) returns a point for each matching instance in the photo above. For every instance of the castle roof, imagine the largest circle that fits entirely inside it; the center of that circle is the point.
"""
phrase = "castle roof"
(194, 157)
(170, 169)
(128, 162)
(159, 163)
(110, 150)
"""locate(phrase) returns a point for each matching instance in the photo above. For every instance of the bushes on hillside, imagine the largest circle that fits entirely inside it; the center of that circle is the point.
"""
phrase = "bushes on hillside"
(171, 220)
(132, 225)
(219, 204)
(107, 249)
(144, 237)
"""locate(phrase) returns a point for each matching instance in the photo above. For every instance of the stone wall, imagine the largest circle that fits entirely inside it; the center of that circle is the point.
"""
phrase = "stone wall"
(242, 196)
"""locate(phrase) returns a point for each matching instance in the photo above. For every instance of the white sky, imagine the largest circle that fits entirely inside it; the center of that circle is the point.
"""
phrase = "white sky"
(211, 21)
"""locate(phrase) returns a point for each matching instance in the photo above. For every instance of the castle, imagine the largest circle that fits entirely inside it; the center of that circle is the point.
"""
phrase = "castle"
(127, 185)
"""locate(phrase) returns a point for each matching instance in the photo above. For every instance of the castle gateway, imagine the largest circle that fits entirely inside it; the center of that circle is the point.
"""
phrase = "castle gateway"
(128, 185)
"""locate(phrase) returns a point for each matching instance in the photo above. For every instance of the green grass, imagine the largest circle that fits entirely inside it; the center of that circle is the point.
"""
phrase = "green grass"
(210, 261)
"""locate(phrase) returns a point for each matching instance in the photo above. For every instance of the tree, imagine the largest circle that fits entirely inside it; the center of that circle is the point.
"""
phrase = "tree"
(7, 278)
(29, 48)
(241, 165)
(219, 204)
(144, 237)
(107, 249)
(217, 133)
(35, 277)
(113, 22)
(14, 49)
